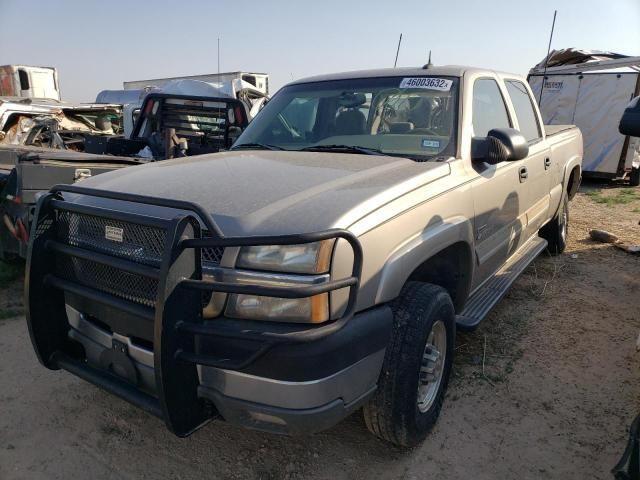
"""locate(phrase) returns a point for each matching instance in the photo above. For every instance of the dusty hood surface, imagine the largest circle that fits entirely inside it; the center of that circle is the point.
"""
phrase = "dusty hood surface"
(274, 192)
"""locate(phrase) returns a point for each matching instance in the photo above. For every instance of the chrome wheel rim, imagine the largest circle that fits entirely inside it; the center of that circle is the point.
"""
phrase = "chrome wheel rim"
(432, 367)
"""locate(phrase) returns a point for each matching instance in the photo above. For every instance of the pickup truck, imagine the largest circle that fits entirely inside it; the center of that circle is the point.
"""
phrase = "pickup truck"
(320, 266)
(170, 125)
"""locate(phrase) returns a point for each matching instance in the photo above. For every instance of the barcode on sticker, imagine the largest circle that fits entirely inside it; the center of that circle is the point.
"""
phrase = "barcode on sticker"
(430, 144)
(429, 83)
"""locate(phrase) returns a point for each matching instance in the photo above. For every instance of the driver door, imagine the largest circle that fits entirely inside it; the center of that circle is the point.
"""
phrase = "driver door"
(498, 191)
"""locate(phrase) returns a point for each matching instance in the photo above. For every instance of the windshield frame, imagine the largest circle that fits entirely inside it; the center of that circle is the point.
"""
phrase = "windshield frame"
(356, 83)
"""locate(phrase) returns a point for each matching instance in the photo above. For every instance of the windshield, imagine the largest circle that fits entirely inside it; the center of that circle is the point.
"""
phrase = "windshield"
(410, 117)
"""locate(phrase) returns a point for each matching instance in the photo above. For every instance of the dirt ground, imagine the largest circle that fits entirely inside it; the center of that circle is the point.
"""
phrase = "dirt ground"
(545, 388)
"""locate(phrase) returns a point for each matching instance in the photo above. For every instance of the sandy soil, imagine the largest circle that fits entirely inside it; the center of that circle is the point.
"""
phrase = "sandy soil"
(546, 388)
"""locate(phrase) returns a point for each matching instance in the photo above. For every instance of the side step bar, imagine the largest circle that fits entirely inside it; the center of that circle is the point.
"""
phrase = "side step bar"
(485, 297)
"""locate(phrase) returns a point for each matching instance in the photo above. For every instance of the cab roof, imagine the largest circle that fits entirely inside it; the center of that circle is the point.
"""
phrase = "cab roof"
(444, 71)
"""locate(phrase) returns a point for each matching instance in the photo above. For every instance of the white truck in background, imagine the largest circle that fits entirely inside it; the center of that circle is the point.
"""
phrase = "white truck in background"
(29, 82)
(259, 81)
(251, 89)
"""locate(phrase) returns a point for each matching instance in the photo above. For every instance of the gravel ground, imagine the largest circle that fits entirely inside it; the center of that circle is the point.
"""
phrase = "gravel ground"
(545, 388)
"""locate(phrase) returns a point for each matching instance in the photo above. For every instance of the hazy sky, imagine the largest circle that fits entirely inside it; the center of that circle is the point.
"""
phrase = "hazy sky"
(98, 44)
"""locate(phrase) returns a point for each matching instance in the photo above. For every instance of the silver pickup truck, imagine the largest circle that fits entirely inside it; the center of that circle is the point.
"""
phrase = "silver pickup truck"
(322, 265)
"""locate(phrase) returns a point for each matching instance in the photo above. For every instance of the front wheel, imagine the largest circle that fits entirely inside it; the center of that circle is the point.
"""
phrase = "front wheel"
(416, 367)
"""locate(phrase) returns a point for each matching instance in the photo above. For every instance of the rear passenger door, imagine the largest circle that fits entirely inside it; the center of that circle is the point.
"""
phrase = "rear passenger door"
(538, 164)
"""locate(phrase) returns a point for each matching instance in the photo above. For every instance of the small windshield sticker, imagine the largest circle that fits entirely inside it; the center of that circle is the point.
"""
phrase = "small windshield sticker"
(430, 143)
(429, 83)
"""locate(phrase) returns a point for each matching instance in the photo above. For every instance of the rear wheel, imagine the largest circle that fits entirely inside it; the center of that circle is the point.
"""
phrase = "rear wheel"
(634, 178)
(556, 231)
(416, 367)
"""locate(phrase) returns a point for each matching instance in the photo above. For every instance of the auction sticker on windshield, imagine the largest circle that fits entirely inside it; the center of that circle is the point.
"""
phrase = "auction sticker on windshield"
(429, 83)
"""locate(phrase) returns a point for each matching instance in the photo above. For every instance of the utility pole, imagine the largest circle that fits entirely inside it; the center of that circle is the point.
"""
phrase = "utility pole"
(218, 54)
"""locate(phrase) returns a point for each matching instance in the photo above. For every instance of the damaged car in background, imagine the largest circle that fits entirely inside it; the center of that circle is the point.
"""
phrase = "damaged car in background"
(170, 125)
(57, 126)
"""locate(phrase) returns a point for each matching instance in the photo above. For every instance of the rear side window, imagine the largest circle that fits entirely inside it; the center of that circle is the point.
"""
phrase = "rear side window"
(24, 79)
(525, 112)
(489, 110)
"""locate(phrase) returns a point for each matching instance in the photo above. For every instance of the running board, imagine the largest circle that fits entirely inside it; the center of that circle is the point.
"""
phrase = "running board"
(485, 298)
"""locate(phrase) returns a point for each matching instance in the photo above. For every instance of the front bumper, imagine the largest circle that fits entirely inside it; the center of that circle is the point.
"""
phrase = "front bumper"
(164, 357)
(286, 404)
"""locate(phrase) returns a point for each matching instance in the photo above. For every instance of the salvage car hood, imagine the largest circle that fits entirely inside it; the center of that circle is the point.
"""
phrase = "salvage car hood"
(273, 192)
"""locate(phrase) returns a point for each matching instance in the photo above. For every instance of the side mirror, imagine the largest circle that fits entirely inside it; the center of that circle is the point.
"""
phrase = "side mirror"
(500, 145)
(630, 121)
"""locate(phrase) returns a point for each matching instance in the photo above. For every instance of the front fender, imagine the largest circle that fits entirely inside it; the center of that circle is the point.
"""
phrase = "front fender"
(418, 249)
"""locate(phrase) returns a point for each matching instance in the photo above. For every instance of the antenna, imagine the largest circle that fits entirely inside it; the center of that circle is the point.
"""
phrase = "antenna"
(218, 54)
(546, 60)
(429, 64)
(397, 51)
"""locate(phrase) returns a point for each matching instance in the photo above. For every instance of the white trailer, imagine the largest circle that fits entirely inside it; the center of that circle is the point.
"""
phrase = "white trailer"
(29, 82)
(591, 89)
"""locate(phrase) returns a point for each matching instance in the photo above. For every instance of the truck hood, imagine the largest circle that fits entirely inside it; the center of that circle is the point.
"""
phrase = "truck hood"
(275, 192)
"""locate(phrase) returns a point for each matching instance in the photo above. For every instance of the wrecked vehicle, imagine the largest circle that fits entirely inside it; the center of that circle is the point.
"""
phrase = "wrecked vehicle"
(170, 126)
(321, 265)
(56, 126)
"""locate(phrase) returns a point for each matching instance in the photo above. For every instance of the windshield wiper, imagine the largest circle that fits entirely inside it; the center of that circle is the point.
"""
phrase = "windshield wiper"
(256, 146)
(343, 149)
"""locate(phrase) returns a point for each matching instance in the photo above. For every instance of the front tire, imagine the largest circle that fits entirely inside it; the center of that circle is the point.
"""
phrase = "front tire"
(416, 368)
(556, 231)
(634, 178)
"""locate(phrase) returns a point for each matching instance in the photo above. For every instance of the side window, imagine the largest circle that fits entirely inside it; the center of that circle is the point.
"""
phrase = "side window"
(524, 110)
(489, 110)
(24, 79)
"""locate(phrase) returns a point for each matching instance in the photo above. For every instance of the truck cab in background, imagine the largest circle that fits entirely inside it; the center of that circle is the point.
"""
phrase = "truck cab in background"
(29, 82)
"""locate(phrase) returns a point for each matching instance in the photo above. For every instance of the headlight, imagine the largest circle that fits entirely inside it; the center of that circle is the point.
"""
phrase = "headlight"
(304, 258)
(299, 310)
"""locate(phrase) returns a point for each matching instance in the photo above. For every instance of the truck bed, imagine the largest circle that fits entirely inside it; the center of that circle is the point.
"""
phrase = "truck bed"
(551, 130)
(26, 171)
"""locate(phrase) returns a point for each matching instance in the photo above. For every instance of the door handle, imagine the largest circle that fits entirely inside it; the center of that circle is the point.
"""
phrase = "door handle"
(547, 163)
(523, 174)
